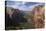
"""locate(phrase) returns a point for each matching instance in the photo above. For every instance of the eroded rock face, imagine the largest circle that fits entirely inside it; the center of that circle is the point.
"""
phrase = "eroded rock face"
(38, 17)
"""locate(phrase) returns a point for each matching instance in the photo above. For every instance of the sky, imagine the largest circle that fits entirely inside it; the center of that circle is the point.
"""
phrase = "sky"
(25, 6)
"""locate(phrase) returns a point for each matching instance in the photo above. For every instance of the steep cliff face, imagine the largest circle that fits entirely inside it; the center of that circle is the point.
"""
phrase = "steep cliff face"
(38, 17)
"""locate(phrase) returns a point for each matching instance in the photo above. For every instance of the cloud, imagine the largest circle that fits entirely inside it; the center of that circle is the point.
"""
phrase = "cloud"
(22, 5)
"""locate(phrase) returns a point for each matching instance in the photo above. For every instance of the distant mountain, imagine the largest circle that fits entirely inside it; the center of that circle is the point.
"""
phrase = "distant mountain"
(19, 11)
(10, 10)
